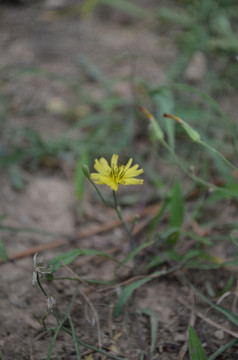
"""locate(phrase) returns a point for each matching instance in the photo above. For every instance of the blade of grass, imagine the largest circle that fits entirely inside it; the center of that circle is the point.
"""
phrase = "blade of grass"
(195, 347)
(153, 328)
(154, 222)
(61, 323)
(129, 8)
(70, 256)
(127, 292)
(180, 18)
(133, 253)
(176, 206)
(94, 71)
(107, 354)
(223, 348)
(228, 314)
(78, 353)
(79, 178)
(3, 251)
(53, 340)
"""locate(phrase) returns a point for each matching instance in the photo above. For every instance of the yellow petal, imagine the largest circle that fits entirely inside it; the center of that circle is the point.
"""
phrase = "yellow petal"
(132, 172)
(132, 181)
(100, 177)
(98, 166)
(128, 164)
(104, 165)
(114, 160)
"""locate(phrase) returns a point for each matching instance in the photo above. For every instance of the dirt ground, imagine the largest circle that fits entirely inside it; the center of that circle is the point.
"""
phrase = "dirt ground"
(35, 35)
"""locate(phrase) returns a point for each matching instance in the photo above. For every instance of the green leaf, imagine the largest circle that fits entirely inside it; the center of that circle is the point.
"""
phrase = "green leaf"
(155, 221)
(176, 206)
(195, 346)
(194, 265)
(133, 253)
(234, 236)
(76, 345)
(153, 328)
(3, 252)
(70, 256)
(230, 316)
(193, 253)
(155, 261)
(129, 8)
(223, 348)
(227, 286)
(2, 217)
(180, 17)
(16, 180)
(127, 292)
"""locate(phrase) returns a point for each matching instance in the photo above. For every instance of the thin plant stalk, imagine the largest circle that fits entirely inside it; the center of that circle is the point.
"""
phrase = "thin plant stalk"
(126, 228)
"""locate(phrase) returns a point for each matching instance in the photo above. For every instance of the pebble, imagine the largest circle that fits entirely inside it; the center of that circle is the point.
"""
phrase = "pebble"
(219, 334)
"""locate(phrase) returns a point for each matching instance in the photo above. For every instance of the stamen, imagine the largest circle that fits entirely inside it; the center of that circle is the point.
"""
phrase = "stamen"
(117, 172)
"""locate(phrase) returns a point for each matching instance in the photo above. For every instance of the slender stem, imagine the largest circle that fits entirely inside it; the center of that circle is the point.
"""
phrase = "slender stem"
(118, 211)
(212, 149)
(133, 246)
(126, 228)
(192, 176)
(39, 283)
(98, 192)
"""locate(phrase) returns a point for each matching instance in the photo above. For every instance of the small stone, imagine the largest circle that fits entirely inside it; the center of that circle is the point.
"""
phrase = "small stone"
(219, 334)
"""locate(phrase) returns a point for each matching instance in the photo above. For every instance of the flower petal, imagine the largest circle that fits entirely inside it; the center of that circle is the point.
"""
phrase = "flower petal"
(128, 164)
(132, 181)
(103, 179)
(101, 165)
(114, 161)
(132, 172)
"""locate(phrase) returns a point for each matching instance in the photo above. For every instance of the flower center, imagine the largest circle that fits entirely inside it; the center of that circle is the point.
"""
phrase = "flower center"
(117, 172)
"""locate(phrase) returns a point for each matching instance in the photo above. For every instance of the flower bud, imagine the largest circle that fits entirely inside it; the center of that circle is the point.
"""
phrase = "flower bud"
(154, 126)
(86, 170)
(193, 134)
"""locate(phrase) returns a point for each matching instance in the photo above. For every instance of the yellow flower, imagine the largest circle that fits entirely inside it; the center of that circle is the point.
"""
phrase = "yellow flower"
(116, 174)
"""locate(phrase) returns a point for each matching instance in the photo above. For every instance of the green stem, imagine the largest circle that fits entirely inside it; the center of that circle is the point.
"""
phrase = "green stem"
(195, 178)
(98, 192)
(39, 283)
(212, 149)
(126, 228)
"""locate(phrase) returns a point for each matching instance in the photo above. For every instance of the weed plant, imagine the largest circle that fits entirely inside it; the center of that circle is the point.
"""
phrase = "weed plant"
(113, 175)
